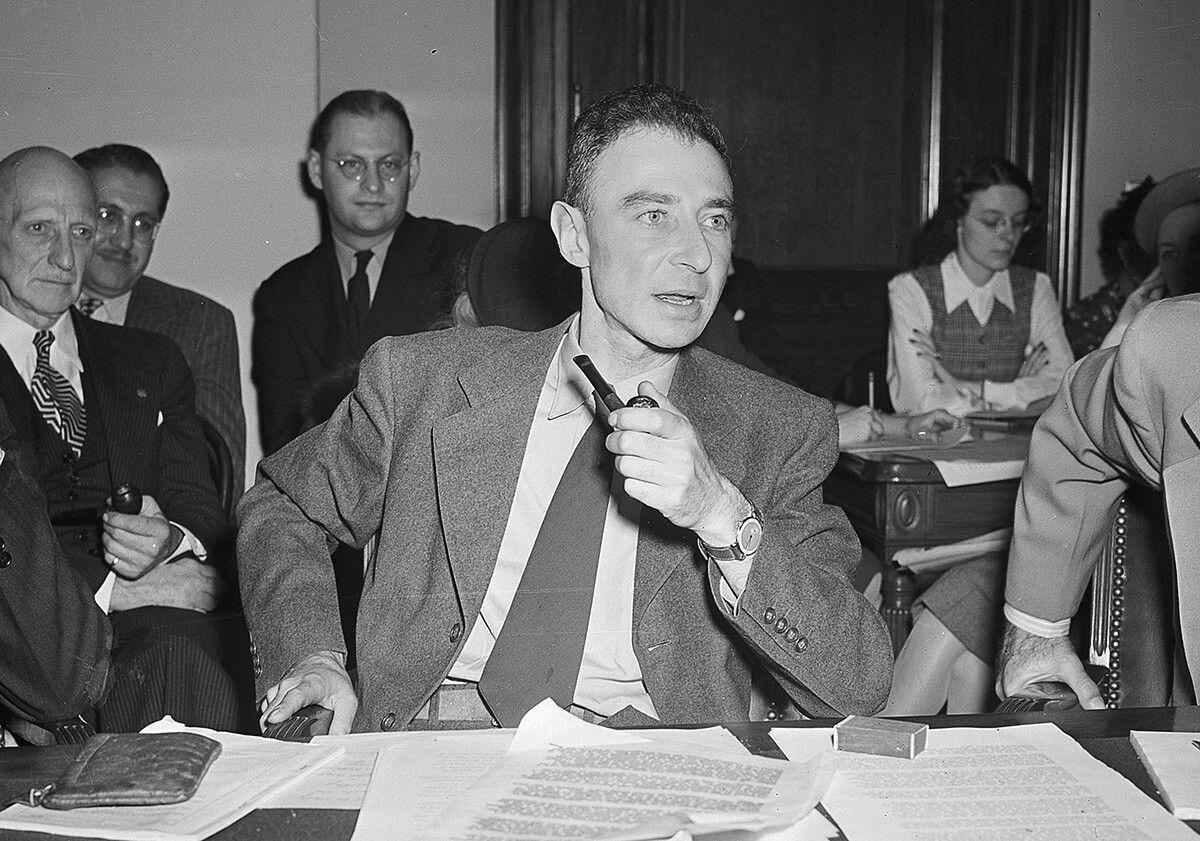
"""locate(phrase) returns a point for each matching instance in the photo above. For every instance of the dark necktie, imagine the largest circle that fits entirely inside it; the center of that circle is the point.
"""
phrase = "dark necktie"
(57, 402)
(540, 647)
(88, 306)
(358, 292)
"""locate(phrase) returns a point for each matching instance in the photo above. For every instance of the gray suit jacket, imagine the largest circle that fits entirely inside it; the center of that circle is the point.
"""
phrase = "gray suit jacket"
(426, 453)
(206, 333)
(1125, 414)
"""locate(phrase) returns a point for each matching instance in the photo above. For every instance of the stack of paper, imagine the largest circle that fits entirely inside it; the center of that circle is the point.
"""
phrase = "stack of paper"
(247, 772)
(1173, 760)
(561, 778)
(1032, 781)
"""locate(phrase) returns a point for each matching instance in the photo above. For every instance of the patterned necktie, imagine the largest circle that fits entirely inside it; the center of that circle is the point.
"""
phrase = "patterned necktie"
(58, 403)
(88, 306)
(358, 293)
(540, 647)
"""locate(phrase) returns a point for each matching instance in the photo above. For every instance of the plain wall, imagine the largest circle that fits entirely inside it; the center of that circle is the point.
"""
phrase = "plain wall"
(223, 93)
(1143, 109)
(438, 58)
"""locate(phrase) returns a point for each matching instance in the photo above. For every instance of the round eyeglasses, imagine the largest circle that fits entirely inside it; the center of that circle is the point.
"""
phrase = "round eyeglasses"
(111, 220)
(387, 169)
(1017, 225)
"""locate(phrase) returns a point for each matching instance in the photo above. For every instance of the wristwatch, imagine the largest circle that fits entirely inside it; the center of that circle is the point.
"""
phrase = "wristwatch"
(748, 538)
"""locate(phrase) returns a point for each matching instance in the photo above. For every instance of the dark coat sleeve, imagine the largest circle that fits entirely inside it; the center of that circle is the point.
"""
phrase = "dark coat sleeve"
(54, 640)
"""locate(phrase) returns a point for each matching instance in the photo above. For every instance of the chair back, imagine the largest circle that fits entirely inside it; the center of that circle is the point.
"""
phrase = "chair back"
(220, 466)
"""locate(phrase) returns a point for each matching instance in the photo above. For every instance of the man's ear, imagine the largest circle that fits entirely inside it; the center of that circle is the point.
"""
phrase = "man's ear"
(414, 169)
(570, 229)
(313, 166)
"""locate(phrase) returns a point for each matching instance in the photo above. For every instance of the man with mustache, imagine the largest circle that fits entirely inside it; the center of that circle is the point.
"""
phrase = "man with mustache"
(133, 201)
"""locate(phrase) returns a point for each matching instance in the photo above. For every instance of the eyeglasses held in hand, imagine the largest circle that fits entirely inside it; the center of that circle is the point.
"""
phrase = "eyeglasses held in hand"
(111, 220)
(388, 169)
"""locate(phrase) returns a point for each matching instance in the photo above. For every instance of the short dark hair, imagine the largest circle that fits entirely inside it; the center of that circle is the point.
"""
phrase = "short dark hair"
(364, 104)
(132, 158)
(642, 106)
(939, 236)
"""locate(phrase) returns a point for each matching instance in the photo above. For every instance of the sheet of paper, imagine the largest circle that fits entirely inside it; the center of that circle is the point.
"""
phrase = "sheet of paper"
(1032, 781)
(1173, 760)
(248, 771)
(561, 777)
(933, 558)
(964, 472)
(421, 775)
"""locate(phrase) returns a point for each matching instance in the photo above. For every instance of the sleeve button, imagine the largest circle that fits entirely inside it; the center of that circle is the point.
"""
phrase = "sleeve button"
(792, 635)
(5, 559)
(781, 625)
(388, 722)
(769, 615)
(802, 644)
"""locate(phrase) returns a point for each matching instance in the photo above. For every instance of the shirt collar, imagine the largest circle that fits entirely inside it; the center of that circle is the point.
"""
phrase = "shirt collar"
(345, 254)
(957, 287)
(111, 310)
(572, 389)
(17, 338)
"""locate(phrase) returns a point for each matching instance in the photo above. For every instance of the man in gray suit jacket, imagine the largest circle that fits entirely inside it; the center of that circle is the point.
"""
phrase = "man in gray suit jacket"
(133, 200)
(722, 576)
(1124, 414)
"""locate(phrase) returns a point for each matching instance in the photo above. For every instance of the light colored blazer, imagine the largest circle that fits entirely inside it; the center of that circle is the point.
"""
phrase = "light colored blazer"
(1124, 414)
(426, 453)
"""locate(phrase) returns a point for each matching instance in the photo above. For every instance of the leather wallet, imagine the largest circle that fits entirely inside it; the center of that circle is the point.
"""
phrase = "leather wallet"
(131, 769)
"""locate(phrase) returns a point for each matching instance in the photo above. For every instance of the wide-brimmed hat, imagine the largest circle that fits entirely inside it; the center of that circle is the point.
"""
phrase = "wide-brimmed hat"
(1172, 192)
(518, 278)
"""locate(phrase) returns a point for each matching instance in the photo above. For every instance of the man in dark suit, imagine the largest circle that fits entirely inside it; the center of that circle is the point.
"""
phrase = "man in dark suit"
(54, 639)
(133, 201)
(380, 272)
(703, 577)
(95, 407)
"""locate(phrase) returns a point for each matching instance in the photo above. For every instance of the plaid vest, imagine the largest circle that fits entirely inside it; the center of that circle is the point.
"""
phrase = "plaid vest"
(970, 352)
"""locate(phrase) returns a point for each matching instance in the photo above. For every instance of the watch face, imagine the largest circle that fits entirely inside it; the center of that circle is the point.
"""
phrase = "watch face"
(750, 535)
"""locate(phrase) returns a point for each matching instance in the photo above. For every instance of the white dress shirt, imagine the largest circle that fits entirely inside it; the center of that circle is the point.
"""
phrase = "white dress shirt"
(610, 677)
(347, 262)
(110, 310)
(913, 386)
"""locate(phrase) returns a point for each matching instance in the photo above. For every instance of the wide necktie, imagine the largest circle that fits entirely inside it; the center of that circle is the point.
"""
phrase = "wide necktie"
(57, 402)
(358, 292)
(540, 647)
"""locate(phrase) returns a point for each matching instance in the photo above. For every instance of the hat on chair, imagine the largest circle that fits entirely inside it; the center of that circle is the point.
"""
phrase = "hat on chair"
(517, 277)
(1171, 193)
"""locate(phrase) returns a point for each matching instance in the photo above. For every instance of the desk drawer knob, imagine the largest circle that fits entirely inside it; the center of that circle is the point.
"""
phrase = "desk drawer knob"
(907, 509)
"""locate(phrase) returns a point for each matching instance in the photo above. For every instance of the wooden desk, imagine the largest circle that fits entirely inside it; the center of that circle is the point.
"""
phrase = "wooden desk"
(897, 500)
(1103, 733)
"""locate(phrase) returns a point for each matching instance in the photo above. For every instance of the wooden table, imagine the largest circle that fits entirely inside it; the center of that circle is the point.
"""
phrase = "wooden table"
(897, 500)
(1103, 733)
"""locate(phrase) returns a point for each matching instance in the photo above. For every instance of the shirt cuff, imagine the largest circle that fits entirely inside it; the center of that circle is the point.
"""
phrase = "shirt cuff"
(190, 545)
(1034, 625)
(734, 575)
(104, 594)
(1002, 395)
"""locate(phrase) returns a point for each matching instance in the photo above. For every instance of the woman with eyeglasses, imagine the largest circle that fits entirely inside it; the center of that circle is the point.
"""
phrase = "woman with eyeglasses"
(969, 330)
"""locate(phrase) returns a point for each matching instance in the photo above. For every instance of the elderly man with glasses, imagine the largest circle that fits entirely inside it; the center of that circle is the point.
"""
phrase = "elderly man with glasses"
(133, 200)
(95, 407)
